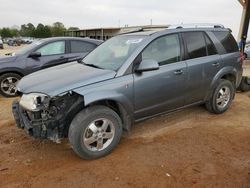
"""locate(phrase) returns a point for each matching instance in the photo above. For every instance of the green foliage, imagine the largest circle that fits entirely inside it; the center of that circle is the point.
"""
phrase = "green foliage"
(41, 31)
(57, 29)
(6, 32)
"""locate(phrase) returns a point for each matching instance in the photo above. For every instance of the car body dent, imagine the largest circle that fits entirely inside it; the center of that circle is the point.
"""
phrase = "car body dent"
(119, 89)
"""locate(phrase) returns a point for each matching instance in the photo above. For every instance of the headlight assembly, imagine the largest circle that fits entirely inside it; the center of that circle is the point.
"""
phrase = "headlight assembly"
(34, 101)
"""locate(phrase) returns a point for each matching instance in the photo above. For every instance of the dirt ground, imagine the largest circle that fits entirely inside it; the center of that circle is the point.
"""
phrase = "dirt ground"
(190, 148)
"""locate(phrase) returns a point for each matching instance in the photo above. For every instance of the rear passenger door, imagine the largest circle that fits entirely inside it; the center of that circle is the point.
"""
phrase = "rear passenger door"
(203, 63)
(79, 49)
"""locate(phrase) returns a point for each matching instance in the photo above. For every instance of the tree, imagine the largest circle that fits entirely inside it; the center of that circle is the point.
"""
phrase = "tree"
(31, 29)
(58, 29)
(15, 32)
(6, 33)
(47, 32)
(39, 31)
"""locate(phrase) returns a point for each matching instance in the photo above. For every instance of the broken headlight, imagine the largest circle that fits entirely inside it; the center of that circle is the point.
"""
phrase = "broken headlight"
(34, 101)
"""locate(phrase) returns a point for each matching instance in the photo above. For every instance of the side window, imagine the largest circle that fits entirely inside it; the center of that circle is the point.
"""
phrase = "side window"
(53, 48)
(164, 50)
(81, 47)
(227, 41)
(210, 46)
(196, 45)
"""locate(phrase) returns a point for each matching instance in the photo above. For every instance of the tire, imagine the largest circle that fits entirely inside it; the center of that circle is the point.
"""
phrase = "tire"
(86, 127)
(245, 56)
(220, 103)
(8, 83)
(245, 84)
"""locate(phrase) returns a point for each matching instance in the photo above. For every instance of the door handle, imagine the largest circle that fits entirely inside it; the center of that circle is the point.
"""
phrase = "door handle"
(216, 64)
(178, 72)
(62, 57)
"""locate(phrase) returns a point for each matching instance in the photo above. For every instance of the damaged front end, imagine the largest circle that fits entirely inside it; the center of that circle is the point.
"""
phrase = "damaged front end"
(44, 117)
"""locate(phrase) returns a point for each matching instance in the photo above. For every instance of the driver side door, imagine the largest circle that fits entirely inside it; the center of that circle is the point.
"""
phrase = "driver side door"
(52, 54)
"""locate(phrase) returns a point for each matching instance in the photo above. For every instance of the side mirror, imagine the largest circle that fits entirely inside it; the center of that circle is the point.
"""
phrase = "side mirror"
(35, 55)
(147, 65)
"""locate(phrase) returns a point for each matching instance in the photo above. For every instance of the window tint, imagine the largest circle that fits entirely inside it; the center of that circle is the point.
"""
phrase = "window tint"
(210, 46)
(79, 46)
(53, 48)
(196, 45)
(164, 50)
(227, 41)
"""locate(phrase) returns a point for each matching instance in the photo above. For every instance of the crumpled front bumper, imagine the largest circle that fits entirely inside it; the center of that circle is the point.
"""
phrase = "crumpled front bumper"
(51, 123)
(32, 127)
(35, 126)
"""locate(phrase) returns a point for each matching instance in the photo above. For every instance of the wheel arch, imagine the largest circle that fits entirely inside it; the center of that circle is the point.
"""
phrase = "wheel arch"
(227, 73)
(117, 102)
(12, 71)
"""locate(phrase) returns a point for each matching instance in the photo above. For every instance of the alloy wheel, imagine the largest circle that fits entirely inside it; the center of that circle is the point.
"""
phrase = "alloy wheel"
(223, 97)
(99, 134)
(8, 86)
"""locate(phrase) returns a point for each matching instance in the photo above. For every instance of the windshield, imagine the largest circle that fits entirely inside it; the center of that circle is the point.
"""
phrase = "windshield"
(114, 52)
(28, 48)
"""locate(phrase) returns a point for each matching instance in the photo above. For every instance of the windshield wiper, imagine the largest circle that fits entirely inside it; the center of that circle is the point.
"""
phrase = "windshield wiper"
(92, 65)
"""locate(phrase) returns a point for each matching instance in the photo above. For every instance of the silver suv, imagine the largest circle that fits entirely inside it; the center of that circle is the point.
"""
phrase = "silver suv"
(127, 79)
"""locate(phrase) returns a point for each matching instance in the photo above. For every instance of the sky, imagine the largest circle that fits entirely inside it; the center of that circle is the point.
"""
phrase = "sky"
(114, 13)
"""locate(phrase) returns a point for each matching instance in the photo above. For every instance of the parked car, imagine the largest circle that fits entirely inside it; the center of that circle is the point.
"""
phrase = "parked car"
(39, 55)
(1, 44)
(127, 79)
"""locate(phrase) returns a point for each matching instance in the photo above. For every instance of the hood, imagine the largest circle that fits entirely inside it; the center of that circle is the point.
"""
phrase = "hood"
(6, 59)
(63, 78)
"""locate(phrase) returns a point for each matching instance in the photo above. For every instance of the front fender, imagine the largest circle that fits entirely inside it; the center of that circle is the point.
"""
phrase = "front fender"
(108, 95)
(119, 90)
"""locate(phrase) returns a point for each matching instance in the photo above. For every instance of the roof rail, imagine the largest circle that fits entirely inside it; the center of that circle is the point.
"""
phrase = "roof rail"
(196, 25)
(132, 31)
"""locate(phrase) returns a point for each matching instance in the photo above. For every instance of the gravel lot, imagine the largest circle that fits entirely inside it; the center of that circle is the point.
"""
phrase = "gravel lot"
(190, 148)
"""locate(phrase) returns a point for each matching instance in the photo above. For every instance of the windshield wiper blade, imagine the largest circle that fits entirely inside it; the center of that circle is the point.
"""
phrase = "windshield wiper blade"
(92, 65)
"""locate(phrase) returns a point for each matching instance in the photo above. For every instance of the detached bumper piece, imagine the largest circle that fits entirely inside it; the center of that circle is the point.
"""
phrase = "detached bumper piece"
(34, 125)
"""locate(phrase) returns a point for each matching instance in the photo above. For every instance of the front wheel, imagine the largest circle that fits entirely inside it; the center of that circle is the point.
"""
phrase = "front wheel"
(95, 132)
(221, 98)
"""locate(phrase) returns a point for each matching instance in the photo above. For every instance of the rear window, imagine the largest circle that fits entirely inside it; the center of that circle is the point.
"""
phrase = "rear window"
(227, 40)
(81, 47)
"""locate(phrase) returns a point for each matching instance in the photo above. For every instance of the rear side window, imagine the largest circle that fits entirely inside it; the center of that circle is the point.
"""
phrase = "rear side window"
(81, 47)
(227, 41)
(196, 45)
(210, 46)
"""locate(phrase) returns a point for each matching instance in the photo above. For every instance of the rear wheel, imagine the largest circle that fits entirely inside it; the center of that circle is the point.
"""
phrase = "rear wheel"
(95, 132)
(221, 98)
(8, 84)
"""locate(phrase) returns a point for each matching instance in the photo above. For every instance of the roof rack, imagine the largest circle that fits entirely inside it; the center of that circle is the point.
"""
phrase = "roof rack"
(132, 31)
(196, 25)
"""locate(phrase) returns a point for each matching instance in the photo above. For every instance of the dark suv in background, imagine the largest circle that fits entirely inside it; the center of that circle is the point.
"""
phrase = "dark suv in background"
(127, 79)
(39, 55)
